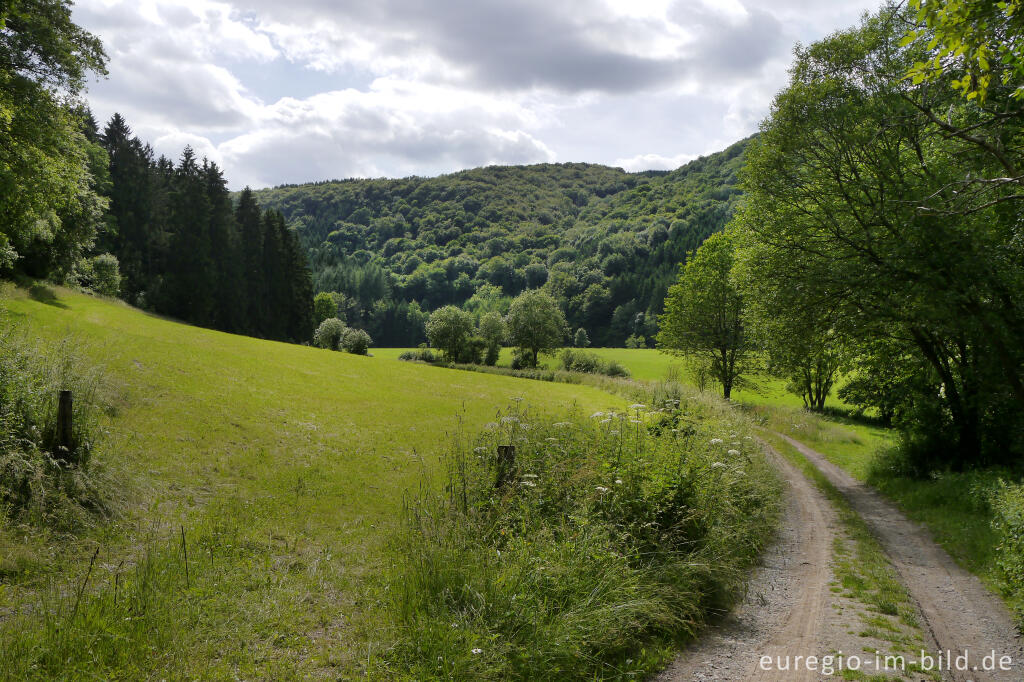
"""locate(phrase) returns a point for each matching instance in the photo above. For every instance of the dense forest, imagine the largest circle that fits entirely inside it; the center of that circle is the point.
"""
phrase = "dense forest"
(169, 238)
(605, 243)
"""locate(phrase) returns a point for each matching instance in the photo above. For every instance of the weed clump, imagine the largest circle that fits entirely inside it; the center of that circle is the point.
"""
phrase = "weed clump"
(41, 483)
(603, 541)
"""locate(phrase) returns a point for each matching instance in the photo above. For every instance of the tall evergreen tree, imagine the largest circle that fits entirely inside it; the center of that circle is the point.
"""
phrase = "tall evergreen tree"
(191, 276)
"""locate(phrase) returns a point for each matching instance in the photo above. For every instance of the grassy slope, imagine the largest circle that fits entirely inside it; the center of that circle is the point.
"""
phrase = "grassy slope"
(300, 455)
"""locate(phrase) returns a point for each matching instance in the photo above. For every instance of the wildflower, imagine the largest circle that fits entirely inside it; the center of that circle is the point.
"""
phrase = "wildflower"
(561, 425)
(601, 489)
(635, 421)
(551, 440)
(717, 441)
(605, 421)
(479, 450)
(747, 438)
(596, 415)
(637, 406)
(517, 399)
(614, 432)
(529, 475)
(528, 484)
(509, 420)
(618, 481)
(490, 426)
(524, 427)
(717, 465)
(476, 651)
(734, 453)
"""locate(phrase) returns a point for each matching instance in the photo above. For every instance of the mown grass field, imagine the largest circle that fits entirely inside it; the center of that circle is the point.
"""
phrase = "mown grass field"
(284, 465)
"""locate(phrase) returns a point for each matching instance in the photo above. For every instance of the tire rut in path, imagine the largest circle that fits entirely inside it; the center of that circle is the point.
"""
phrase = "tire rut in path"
(959, 612)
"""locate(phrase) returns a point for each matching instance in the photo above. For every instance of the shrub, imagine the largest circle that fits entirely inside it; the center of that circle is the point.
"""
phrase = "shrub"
(106, 275)
(329, 334)
(324, 307)
(590, 363)
(636, 341)
(472, 351)
(1008, 522)
(581, 340)
(355, 341)
(101, 274)
(418, 355)
(597, 539)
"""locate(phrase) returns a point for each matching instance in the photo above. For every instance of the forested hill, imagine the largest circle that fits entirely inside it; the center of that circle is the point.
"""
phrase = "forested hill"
(604, 242)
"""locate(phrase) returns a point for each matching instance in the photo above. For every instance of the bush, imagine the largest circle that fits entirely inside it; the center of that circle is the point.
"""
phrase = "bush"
(1008, 522)
(101, 274)
(329, 334)
(355, 341)
(418, 355)
(40, 483)
(581, 340)
(598, 539)
(472, 351)
(590, 363)
(636, 341)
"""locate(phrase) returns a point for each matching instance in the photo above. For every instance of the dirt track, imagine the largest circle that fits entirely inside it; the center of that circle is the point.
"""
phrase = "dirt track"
(791, 611)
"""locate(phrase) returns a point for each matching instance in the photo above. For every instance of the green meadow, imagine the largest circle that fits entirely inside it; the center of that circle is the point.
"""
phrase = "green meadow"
(283, 466)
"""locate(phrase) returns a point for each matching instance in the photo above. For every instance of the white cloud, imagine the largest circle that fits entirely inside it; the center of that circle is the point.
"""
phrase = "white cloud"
(642, 162)
(396, 87)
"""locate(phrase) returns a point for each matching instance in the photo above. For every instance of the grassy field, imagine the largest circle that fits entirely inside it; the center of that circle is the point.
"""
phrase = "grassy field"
(283, 465)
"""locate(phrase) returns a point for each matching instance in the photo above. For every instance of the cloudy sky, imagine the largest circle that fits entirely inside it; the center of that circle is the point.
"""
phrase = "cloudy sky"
(281, 91)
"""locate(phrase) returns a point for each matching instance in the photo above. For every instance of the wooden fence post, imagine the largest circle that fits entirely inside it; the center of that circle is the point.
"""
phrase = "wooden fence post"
(506, 463)
(64, 425)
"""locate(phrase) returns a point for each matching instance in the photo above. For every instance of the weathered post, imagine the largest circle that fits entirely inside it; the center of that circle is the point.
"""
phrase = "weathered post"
(506, 463)
(64, 425)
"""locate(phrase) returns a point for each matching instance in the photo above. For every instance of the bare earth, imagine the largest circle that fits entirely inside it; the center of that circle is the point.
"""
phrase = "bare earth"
(790, 610)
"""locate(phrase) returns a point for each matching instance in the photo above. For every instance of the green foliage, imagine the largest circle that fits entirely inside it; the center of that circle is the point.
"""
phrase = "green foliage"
(37, 484)
(324, 306)
(604, 536)
(603, 242)
(329, 334)
(493, 330)
(449, 329)
(1008, 523)
(976, 42)
(535, 324)
(704, 313)
(580, 339)
(590, 363)
(859, 216)
(636, 341)
(355, 341)
(49, 208)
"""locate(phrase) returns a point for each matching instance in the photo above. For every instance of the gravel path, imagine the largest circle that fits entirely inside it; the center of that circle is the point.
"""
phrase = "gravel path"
(787, 605)
(792, 607)
(961, 614)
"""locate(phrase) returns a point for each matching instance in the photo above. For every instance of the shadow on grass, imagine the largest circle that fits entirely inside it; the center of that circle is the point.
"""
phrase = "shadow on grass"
(44, 294)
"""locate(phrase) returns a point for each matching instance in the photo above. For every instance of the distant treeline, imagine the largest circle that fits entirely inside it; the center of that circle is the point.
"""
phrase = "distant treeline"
(604, 243)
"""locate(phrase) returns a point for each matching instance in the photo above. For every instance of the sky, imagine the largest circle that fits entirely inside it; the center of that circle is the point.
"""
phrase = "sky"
(290, 91)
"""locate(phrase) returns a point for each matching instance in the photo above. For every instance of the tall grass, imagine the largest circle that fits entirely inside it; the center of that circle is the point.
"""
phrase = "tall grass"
(610, 538)
(40, 485)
